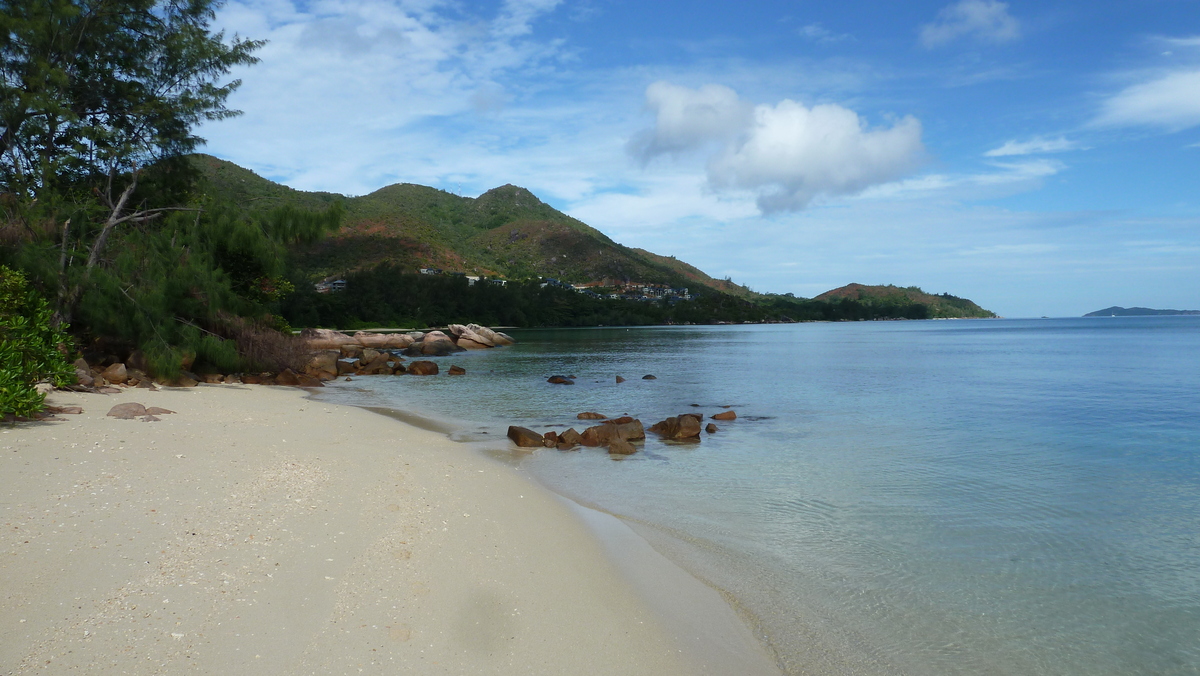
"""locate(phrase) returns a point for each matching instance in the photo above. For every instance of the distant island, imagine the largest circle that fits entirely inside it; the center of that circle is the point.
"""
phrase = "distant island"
(1115, 311)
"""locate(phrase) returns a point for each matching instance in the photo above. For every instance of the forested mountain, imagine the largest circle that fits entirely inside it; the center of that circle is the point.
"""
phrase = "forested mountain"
(933, 306)
(506, 232)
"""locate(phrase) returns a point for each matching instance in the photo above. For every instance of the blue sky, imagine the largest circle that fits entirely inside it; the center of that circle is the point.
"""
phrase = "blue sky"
(1038, 158)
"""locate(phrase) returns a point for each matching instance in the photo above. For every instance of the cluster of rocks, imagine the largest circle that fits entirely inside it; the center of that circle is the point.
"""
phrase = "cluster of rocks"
(617, 434)
(456, 338)
(570, 380)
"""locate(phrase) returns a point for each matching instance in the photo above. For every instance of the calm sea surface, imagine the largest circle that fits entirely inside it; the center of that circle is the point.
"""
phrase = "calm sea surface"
(938, 497)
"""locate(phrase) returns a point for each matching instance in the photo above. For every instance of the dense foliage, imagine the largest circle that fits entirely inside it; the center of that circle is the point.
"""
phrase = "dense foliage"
(389, 296)
(32, 349)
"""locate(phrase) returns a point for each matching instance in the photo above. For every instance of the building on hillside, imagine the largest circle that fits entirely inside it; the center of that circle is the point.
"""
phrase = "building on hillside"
(430, 271)
(330, 286)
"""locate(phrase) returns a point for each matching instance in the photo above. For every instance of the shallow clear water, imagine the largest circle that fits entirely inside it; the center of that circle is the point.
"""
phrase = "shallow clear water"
(945, 497)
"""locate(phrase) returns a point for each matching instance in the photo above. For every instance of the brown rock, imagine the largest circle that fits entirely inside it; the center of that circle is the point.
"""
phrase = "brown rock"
(525, 437)
(423, 368)
(116, 374)
(560, 380)
(468, 344)
(604, 434)
(697, 416)
(725, 415)
(252, 379)
(155, 410)
(287, 378)
(649, 377)
(185, 381)
(344, 367)
(309, 381)
(323, 364)
(231, 379)
(213, 378)
(457, 371)
(370, 339)
(711, 428)
(550, 439)
(377, 366)
(569, 439)
(127, 411)
(620, 379)
(591, 415)
(437, 343)
(370, 354)
(619, 421)
(351, 351)
(399, 370)
(325, 339)
(108, 390)
(678, 427)
(621, 447)
(147, 384)
(502, 338)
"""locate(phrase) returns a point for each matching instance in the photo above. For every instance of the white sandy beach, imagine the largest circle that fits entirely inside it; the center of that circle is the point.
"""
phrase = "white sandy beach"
(257, 531)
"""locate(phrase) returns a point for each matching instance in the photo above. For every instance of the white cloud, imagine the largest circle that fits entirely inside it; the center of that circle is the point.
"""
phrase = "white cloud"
(820, 34)
(787, 154)
(984, 20)
(1034, 146)
(1170, 101)
(686, 119)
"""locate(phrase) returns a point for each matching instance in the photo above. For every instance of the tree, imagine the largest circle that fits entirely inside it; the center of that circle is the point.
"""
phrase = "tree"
(91, 93)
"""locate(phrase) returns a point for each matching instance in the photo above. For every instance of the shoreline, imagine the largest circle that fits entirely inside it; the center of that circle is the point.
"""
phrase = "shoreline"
(207, 542)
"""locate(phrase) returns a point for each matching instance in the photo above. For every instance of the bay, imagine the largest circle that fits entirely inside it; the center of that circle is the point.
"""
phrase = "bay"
(936, 497)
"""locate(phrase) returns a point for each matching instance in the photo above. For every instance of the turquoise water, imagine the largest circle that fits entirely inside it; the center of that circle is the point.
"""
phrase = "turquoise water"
(941, 497)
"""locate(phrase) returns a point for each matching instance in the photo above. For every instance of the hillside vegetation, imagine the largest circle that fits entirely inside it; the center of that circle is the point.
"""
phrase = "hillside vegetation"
(506, 232)
(906, 300)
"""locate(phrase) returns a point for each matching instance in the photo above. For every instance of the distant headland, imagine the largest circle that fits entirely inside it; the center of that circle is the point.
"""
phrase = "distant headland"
(1115, 311)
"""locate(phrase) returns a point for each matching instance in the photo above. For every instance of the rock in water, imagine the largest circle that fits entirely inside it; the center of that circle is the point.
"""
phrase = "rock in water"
(560, 380)
(619, 421)
(457, 371)
(591, 415)
(423, 368)
(127, 411)
(525, 437)
(621, 447)
(679, 427)
(550, 439)
(620, 379)
(711, 428)
(604, 434)
(649, 377)
(725, 415)
(568, 440)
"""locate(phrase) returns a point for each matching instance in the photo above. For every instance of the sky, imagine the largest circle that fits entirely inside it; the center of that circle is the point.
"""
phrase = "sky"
(1039, 158)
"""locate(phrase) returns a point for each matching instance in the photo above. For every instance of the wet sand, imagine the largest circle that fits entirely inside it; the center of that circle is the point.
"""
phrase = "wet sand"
(256, 530)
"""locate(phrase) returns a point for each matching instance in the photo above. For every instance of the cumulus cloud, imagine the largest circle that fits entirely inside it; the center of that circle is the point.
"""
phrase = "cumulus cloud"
(984, 20)
(686, 119)
(787, 153)
(1034, 146)
(1170, 101)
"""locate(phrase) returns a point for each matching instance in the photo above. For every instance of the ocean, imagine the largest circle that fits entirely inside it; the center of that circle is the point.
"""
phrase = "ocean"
(911, 497)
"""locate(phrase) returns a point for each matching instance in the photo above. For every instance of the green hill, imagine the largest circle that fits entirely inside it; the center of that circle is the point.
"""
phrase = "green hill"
(505, 232)
(940, 306)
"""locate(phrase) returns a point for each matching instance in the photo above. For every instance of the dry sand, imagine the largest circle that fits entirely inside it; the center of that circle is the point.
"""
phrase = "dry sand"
(257, 531)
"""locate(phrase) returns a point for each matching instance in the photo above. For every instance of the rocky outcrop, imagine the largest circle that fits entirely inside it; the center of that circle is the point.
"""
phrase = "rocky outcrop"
(116, 374)
(725, 415)
(679, 428)
(525, 437)
(621, 447)
(568, 440)
(423, 368)
(323, 364)
(325, 339)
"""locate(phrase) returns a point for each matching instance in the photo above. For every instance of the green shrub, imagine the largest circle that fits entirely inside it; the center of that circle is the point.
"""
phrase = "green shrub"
(32, 349)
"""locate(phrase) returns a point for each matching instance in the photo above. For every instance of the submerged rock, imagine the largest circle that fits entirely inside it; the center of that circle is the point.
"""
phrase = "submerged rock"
(678, 427)
(591, 415)
(423, 368)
